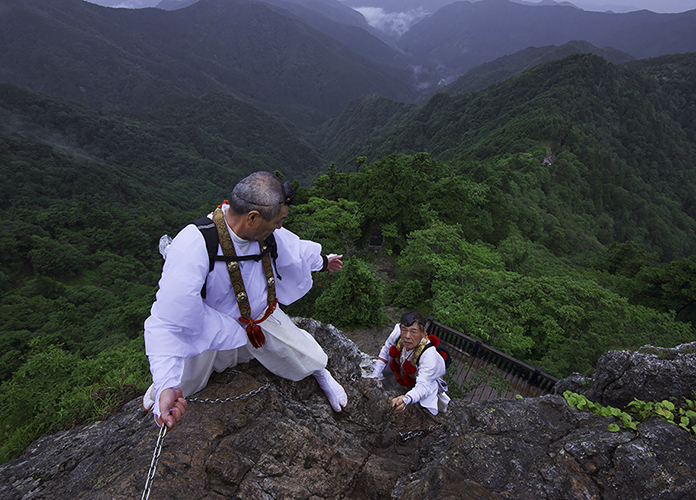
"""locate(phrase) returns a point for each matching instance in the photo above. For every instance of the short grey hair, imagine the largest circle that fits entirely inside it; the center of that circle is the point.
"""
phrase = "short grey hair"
(260, 191)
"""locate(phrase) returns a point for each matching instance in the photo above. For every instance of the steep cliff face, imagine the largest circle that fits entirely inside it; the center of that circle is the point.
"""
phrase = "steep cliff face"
(285, 442)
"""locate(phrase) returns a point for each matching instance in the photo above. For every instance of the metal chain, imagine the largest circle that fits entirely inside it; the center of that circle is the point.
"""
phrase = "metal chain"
(406, 436)
(234, 398)
(163, 431)
(153, 463)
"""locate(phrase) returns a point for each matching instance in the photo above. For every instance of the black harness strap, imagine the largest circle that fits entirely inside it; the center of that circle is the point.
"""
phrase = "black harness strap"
(209, 231)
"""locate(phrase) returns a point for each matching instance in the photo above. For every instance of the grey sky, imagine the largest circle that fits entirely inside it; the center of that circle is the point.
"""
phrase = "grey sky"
(663, 6)
(601, 5)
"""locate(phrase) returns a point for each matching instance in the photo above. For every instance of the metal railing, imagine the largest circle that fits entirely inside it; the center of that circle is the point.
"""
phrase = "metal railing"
(475, 358)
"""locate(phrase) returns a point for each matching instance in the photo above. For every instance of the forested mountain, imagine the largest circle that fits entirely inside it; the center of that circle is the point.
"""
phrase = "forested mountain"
(223, 44)
(334, 19)
(348, 27)
(625, 133)
(504, 67)
(198, 142)
(463, 35)
(120, 58)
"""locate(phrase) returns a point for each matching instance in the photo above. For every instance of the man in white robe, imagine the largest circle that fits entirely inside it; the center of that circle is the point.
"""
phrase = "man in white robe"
(417, 364)
(187, 336)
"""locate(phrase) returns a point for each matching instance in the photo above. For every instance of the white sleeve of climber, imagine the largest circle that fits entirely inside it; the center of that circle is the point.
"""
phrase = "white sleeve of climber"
(431, 366)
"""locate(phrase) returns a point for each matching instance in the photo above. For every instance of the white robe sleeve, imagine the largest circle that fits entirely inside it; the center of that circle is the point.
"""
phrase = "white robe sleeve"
(296, 260)
(431, 366)
(391, 340)
(181, 323)
(166, 372)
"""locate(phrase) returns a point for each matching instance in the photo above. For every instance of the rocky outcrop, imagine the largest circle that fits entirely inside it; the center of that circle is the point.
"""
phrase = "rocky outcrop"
(285, 442)
(649, 374)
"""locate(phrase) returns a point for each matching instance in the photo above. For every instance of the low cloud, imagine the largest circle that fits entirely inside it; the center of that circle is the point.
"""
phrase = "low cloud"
(392, 23)
(126, 4)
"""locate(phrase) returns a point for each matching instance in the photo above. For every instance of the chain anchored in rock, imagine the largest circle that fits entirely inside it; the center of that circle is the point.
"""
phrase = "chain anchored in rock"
(163, 431)
(406, 436)
(234, 398)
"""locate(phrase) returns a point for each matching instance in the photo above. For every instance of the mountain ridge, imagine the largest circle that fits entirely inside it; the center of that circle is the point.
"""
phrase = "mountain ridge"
(113, 58)
(509, 65)
(463, 35)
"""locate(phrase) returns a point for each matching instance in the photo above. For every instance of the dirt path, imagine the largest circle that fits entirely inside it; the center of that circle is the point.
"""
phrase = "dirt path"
(371, 340)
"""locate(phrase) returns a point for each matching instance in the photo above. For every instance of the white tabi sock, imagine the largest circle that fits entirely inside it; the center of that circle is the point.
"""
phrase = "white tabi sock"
(334, 392)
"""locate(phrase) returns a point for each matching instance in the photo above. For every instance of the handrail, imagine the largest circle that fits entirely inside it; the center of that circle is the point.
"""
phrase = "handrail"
(475, 347)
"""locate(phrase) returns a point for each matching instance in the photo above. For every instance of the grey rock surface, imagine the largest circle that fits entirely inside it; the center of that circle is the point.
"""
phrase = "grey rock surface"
(649, 374)
(286, 443)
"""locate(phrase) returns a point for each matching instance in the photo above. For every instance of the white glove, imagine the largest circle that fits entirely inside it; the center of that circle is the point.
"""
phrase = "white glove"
(378, 369)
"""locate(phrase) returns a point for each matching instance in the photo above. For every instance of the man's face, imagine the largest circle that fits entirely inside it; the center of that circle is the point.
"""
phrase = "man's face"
(262, 228)
(411, 336)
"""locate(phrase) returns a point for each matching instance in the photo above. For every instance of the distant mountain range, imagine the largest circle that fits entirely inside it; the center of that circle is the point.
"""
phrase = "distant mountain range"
(304, 60)
(344, 137)
(119, 58)
(463, 35)
(507, 66)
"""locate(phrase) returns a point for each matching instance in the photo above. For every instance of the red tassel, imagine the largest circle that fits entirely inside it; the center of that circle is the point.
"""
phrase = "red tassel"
(405, 381)
(394, 366)
(255, 335)
(443, 354)
(409, 369)
(394, 352)
(434, 340)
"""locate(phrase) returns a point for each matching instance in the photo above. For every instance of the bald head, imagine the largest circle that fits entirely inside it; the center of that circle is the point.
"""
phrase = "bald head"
(260, 191)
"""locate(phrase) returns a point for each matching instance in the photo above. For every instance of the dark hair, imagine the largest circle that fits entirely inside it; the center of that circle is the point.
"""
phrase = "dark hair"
(413, 317)
(260, 191)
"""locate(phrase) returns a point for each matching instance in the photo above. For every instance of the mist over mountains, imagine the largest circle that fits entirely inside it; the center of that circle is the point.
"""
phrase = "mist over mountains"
(463, 35)
(431, 6)
(117, 58)
(304, 60)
